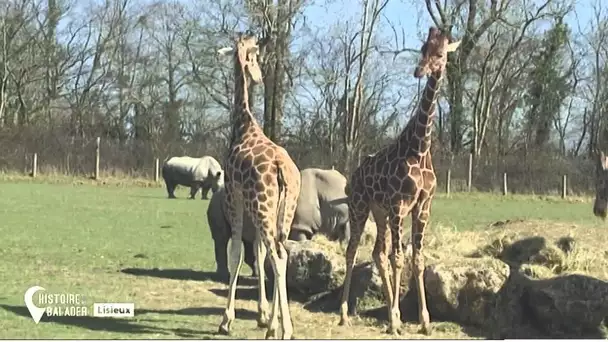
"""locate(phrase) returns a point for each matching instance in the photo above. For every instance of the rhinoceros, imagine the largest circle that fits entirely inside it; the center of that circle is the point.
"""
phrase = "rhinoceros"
(197, 173)
(321, 208)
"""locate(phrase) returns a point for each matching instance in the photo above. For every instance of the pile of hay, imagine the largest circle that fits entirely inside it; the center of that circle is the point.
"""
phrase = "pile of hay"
(519, 279)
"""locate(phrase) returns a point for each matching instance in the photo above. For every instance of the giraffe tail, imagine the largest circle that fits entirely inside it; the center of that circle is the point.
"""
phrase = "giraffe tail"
(282, 235)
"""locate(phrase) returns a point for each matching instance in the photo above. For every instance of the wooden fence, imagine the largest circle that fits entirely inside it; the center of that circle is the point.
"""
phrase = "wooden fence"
(31, 169)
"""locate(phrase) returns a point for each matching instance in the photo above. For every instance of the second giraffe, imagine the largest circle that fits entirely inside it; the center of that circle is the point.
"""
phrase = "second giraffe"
(394, 182)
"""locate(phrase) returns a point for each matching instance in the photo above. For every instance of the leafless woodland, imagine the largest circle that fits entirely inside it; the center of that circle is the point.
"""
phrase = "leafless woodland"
(526, 93)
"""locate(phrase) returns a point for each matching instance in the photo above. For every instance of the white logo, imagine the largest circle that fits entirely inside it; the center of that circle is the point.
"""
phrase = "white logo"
(113, 309)
(75, 304)
(35, 311)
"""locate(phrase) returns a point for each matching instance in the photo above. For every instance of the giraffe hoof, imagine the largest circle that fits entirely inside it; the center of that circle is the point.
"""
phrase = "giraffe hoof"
(426, 329)
(223, 330)
(271, 334)
(395, 331)
(344, 321)
(262, 323)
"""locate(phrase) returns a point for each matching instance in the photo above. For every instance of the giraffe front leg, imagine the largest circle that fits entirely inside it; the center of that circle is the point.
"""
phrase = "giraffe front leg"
(260, 258)
(420, 217)
(234, 251)
(357, 220)
(235, 261)
(397, 214)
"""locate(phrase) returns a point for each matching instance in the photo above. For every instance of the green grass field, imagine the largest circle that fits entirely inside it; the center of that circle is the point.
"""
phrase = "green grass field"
(76, 238)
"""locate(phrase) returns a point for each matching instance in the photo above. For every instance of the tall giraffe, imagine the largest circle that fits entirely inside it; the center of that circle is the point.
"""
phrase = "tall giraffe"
(600, 204)
(261, 179)
(395, 181)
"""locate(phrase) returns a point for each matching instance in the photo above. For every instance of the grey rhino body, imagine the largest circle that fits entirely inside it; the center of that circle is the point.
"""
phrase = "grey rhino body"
(321, 208)
(197, 173)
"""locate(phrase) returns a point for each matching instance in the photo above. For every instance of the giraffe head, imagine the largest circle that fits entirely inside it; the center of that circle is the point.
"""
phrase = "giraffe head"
(600, 205)
(246, 55)
(434, 53)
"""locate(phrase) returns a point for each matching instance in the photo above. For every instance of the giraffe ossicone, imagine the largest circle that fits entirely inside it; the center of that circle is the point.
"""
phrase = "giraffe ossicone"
(394, 182)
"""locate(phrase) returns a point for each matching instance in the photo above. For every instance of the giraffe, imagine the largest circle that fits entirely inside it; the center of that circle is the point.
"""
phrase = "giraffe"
(600, 205)
(263, 180)
(397, 180)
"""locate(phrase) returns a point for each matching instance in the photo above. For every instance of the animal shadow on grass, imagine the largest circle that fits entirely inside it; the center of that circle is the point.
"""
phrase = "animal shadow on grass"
(242, 293)
(184, 274)
(200, 311)
(90, 323)
(149, 197)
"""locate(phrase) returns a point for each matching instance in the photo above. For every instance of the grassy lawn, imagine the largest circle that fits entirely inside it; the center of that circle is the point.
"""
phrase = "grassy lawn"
(76, 238)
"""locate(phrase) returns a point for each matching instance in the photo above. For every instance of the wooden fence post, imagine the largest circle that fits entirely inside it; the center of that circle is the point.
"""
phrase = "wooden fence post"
(156, 169)
(34, 165)
(97, 148)
(564, 186)
(504, 184)
(448, 179)
(470, 174)
(67, 163)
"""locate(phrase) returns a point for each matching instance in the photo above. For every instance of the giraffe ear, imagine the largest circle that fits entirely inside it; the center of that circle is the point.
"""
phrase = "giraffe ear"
(453, 46)
(224, 51)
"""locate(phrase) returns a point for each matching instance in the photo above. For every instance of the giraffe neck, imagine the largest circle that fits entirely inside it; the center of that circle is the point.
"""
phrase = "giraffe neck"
(417, 134)
(242, 119)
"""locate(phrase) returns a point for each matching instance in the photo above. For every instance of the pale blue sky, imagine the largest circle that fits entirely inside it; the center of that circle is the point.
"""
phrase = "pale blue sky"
(411, 15)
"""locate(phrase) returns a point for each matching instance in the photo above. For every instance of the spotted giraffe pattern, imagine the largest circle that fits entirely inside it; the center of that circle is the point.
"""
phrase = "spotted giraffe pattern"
(394, 182)
(600, 203)
(263, 182)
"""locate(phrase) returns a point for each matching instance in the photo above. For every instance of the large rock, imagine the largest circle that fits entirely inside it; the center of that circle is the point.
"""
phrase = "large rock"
(540, 300)
(464, 289)
(569, 306)
(313, 267)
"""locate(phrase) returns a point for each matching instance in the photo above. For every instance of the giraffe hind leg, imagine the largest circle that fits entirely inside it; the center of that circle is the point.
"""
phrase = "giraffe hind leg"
(278, 257)
(260, 258)
(234, 211)
(357, 216)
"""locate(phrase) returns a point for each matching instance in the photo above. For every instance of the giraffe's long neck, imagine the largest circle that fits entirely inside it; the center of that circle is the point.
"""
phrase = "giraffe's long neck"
(418, 131)
(242, 118)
